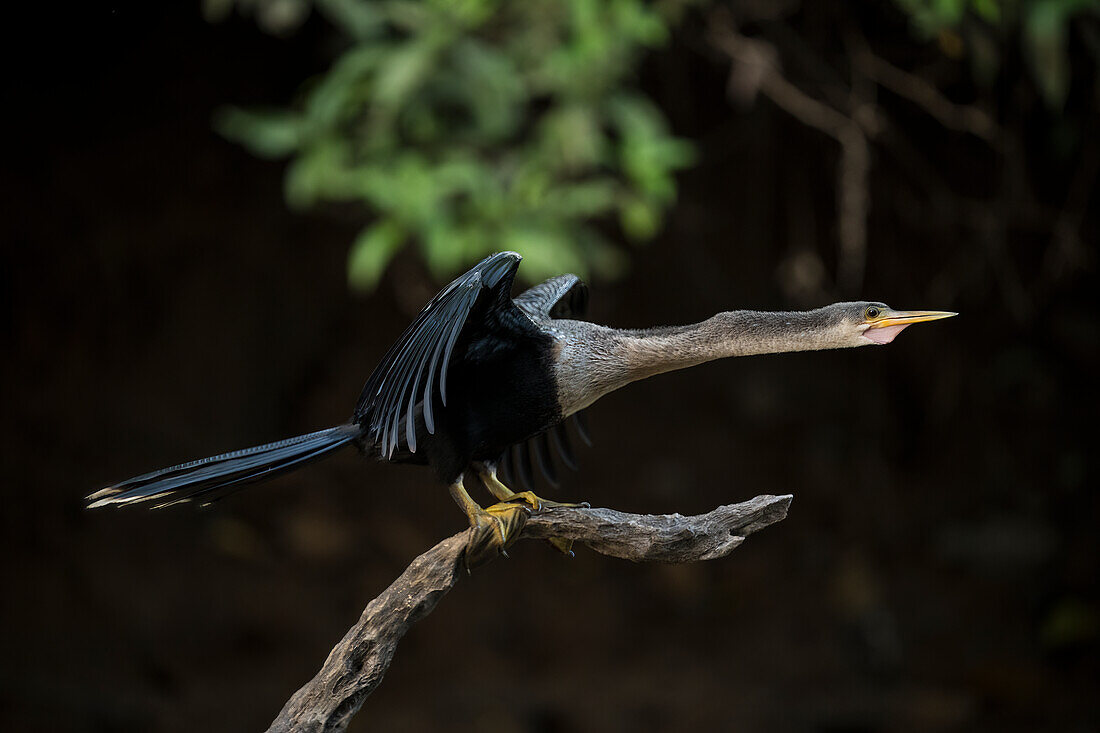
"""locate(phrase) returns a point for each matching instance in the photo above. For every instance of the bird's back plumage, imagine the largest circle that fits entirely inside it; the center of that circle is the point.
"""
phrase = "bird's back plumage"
(392, 399)
(561, 297)
(468, 380)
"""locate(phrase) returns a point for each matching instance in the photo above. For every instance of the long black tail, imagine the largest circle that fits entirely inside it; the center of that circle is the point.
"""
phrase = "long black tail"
(214, 477)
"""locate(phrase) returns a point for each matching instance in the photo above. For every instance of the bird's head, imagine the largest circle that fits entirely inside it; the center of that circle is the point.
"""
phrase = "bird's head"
(867, 322)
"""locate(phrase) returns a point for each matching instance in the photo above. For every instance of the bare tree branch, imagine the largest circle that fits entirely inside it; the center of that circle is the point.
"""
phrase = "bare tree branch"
(756, 68)
(356, 665)
(960, 117)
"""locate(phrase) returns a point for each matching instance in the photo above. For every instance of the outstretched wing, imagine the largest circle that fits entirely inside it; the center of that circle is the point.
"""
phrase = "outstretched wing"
(414, 370)
(565, 296)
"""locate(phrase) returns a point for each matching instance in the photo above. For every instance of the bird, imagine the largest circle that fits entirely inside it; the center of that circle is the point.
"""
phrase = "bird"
(480, 380)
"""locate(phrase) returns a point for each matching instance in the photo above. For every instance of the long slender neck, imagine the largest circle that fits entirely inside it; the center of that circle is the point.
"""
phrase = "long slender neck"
(596, 360)
(734, 333)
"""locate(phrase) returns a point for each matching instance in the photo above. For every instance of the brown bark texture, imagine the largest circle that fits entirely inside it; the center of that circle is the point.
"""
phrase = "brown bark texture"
(356, 665)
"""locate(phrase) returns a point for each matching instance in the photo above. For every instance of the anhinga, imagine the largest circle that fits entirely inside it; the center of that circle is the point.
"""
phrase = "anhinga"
(479, 373)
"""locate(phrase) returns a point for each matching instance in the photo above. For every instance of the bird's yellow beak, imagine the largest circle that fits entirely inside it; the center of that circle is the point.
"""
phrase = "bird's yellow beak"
(908, 318)
(890, 323)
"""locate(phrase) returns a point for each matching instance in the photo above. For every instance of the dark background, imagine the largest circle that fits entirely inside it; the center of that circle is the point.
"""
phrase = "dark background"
(938, 568)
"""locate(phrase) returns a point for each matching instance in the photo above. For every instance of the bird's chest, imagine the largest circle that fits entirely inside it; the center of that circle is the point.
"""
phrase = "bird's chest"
(507, 393)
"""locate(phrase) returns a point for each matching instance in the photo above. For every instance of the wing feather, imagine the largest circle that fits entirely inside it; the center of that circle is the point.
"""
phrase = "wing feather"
(565, 296)
(563, 446)
(455, 329)
(392, 399)
(523, 466)
(580, 422)
(541, 444)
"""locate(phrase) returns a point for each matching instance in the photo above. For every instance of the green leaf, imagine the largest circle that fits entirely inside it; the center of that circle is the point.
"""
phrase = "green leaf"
(403, 70)
(467, 126)
(359, 19)
(639, 218)
(582, 200)
(572, 138)
(493, 89)
(318, 173)
(1045, 47)
(547, 251)
(270, 134)
(988, 10)
(341, 92)
(371, 253)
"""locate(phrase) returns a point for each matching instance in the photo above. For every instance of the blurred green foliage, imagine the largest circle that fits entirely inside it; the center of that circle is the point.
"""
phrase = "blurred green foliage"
(984, 27)
(470, 126)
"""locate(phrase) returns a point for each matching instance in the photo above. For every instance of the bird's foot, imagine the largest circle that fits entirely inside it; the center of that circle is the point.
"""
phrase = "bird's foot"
(495, 529)
(538, 504)
(562, 545)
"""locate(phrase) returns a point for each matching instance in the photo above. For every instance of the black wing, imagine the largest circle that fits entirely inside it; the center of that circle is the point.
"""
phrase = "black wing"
(414, 371)
(565, 296)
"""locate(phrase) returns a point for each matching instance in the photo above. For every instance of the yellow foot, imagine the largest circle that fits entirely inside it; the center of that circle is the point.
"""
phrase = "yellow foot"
(527, 499)
(495, 529)
(538, 504)
(562, 545)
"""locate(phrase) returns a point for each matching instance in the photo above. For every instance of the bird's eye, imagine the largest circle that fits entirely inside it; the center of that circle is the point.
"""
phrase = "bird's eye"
(872, 312)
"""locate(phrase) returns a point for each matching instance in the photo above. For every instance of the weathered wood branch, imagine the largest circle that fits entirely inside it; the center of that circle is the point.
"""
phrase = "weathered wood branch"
(356, 665)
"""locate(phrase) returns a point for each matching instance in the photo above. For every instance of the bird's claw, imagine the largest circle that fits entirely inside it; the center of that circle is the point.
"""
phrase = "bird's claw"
(562, 545)
(537, 503)
(495, 528)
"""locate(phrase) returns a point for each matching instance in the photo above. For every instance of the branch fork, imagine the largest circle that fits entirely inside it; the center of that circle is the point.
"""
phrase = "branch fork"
(356, 665)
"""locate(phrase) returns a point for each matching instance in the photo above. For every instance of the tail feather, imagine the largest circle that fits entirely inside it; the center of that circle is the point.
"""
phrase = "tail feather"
(211, 478)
